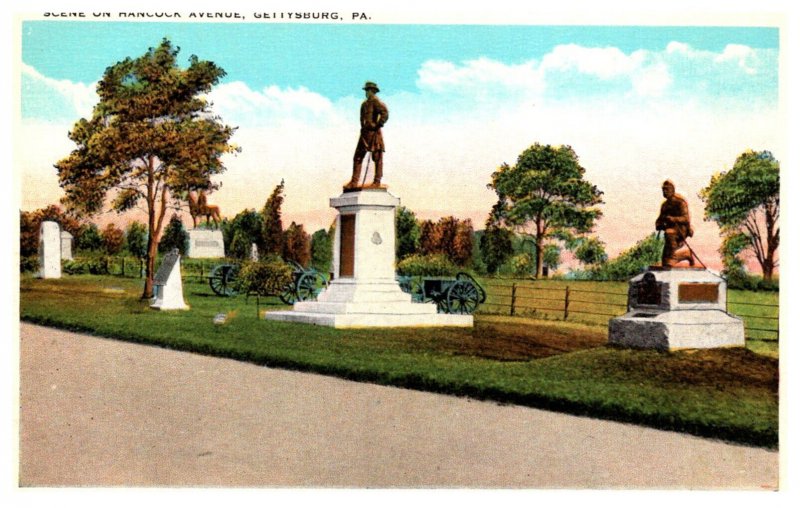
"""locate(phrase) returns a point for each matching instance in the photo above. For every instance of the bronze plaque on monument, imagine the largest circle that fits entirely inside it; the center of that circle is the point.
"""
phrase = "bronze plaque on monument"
(698, 292)
(347, 243)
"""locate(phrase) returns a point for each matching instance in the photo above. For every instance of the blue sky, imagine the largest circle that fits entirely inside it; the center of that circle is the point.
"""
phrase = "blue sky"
(638, 104)
(333, 59)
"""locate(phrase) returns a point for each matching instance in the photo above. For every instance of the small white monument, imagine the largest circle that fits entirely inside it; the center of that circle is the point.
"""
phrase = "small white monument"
(205, 243)
(364, 292)
(253, 252)
(167, 284)
(677, 308)
(49, 250)
(66, 245)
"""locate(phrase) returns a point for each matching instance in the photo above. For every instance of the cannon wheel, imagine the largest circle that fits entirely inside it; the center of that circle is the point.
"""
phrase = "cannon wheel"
(467, 277)
(309, 285)
(222, 279)
(462, 298)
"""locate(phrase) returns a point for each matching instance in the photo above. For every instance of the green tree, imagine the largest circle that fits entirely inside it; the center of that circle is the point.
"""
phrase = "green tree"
(113, 239)
(551, 257)
(175, 237)
(545, 191)
(746, 201)
(243, 231)
(272, 230)
(590, 251)
(150, 138)
(496, 242)
(136, 239)
(407, 232)
(322, 249)
(88, 239)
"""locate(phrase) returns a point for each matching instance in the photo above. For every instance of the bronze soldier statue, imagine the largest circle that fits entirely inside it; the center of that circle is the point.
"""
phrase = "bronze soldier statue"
(674, 222)
(374, 114)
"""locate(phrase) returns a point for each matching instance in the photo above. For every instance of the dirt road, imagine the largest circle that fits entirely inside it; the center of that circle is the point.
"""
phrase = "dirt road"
(97, 412)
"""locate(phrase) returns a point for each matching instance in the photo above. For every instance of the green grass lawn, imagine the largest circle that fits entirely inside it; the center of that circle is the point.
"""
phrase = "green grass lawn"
(728, 394)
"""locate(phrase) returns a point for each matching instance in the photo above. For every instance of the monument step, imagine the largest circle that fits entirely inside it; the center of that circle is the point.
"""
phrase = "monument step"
(383, 291)
(354, 307)
(372, 320)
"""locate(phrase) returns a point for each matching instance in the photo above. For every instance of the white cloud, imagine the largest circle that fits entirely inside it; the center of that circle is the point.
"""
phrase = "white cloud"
(677, 69)
(271, 105)
(605, 63)
(744, 56)
(80, 96)
(651, 81)
(479, 76)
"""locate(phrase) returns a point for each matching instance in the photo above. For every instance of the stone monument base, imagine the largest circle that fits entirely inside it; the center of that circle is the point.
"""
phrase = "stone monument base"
(205, 243)
(351, 303)
(678, 308)
(672, 330)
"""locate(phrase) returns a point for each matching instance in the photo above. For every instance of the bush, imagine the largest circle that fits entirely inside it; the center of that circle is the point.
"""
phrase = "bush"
(638, 258)
(522, 264)
(92, 265)
(28, 264)
(740, 279)
(431, 265)
(264, 278)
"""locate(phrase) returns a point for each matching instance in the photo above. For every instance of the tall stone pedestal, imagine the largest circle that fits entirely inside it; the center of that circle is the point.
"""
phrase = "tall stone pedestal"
(49, 250)
(205, 243)
(677, 308)
(364, 291)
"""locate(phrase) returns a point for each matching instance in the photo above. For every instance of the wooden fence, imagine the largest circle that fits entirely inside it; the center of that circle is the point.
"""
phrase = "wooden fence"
(587, 302)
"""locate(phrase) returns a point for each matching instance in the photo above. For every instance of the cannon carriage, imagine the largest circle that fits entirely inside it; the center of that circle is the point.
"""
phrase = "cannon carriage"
(306, 283)
(459, 295)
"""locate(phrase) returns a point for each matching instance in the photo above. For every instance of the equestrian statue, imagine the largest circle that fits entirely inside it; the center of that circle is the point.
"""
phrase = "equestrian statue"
(198, 207)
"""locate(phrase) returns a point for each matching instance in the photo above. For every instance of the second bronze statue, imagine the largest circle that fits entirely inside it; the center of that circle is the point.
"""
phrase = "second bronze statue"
(374, 114)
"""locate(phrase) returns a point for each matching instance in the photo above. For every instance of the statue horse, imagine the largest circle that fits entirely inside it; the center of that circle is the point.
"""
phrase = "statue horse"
(198, 207)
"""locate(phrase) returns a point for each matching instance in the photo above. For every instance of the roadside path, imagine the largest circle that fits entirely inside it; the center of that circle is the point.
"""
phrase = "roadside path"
(99, 412)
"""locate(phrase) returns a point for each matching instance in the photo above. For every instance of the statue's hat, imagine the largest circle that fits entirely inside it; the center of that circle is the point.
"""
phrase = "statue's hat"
(369, 85)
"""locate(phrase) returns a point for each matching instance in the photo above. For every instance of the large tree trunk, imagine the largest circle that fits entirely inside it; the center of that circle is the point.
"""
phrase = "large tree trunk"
(767, 268)
(539, 256)
(540, 227)
(150, 268)
(154, 225)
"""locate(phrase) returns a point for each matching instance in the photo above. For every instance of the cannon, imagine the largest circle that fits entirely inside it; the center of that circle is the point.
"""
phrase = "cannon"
(459, 295)
(306, 284)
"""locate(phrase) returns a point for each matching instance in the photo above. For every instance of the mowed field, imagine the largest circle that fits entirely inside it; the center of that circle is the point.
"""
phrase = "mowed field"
(567, 366)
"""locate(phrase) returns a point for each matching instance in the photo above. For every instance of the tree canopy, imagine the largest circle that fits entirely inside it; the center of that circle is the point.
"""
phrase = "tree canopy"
(544, 192)
(745, 203)
(151, 138)
(272, 227)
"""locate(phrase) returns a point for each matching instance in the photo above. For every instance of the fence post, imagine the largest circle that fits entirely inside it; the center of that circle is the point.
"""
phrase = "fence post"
(513, 297)
(566, 304)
